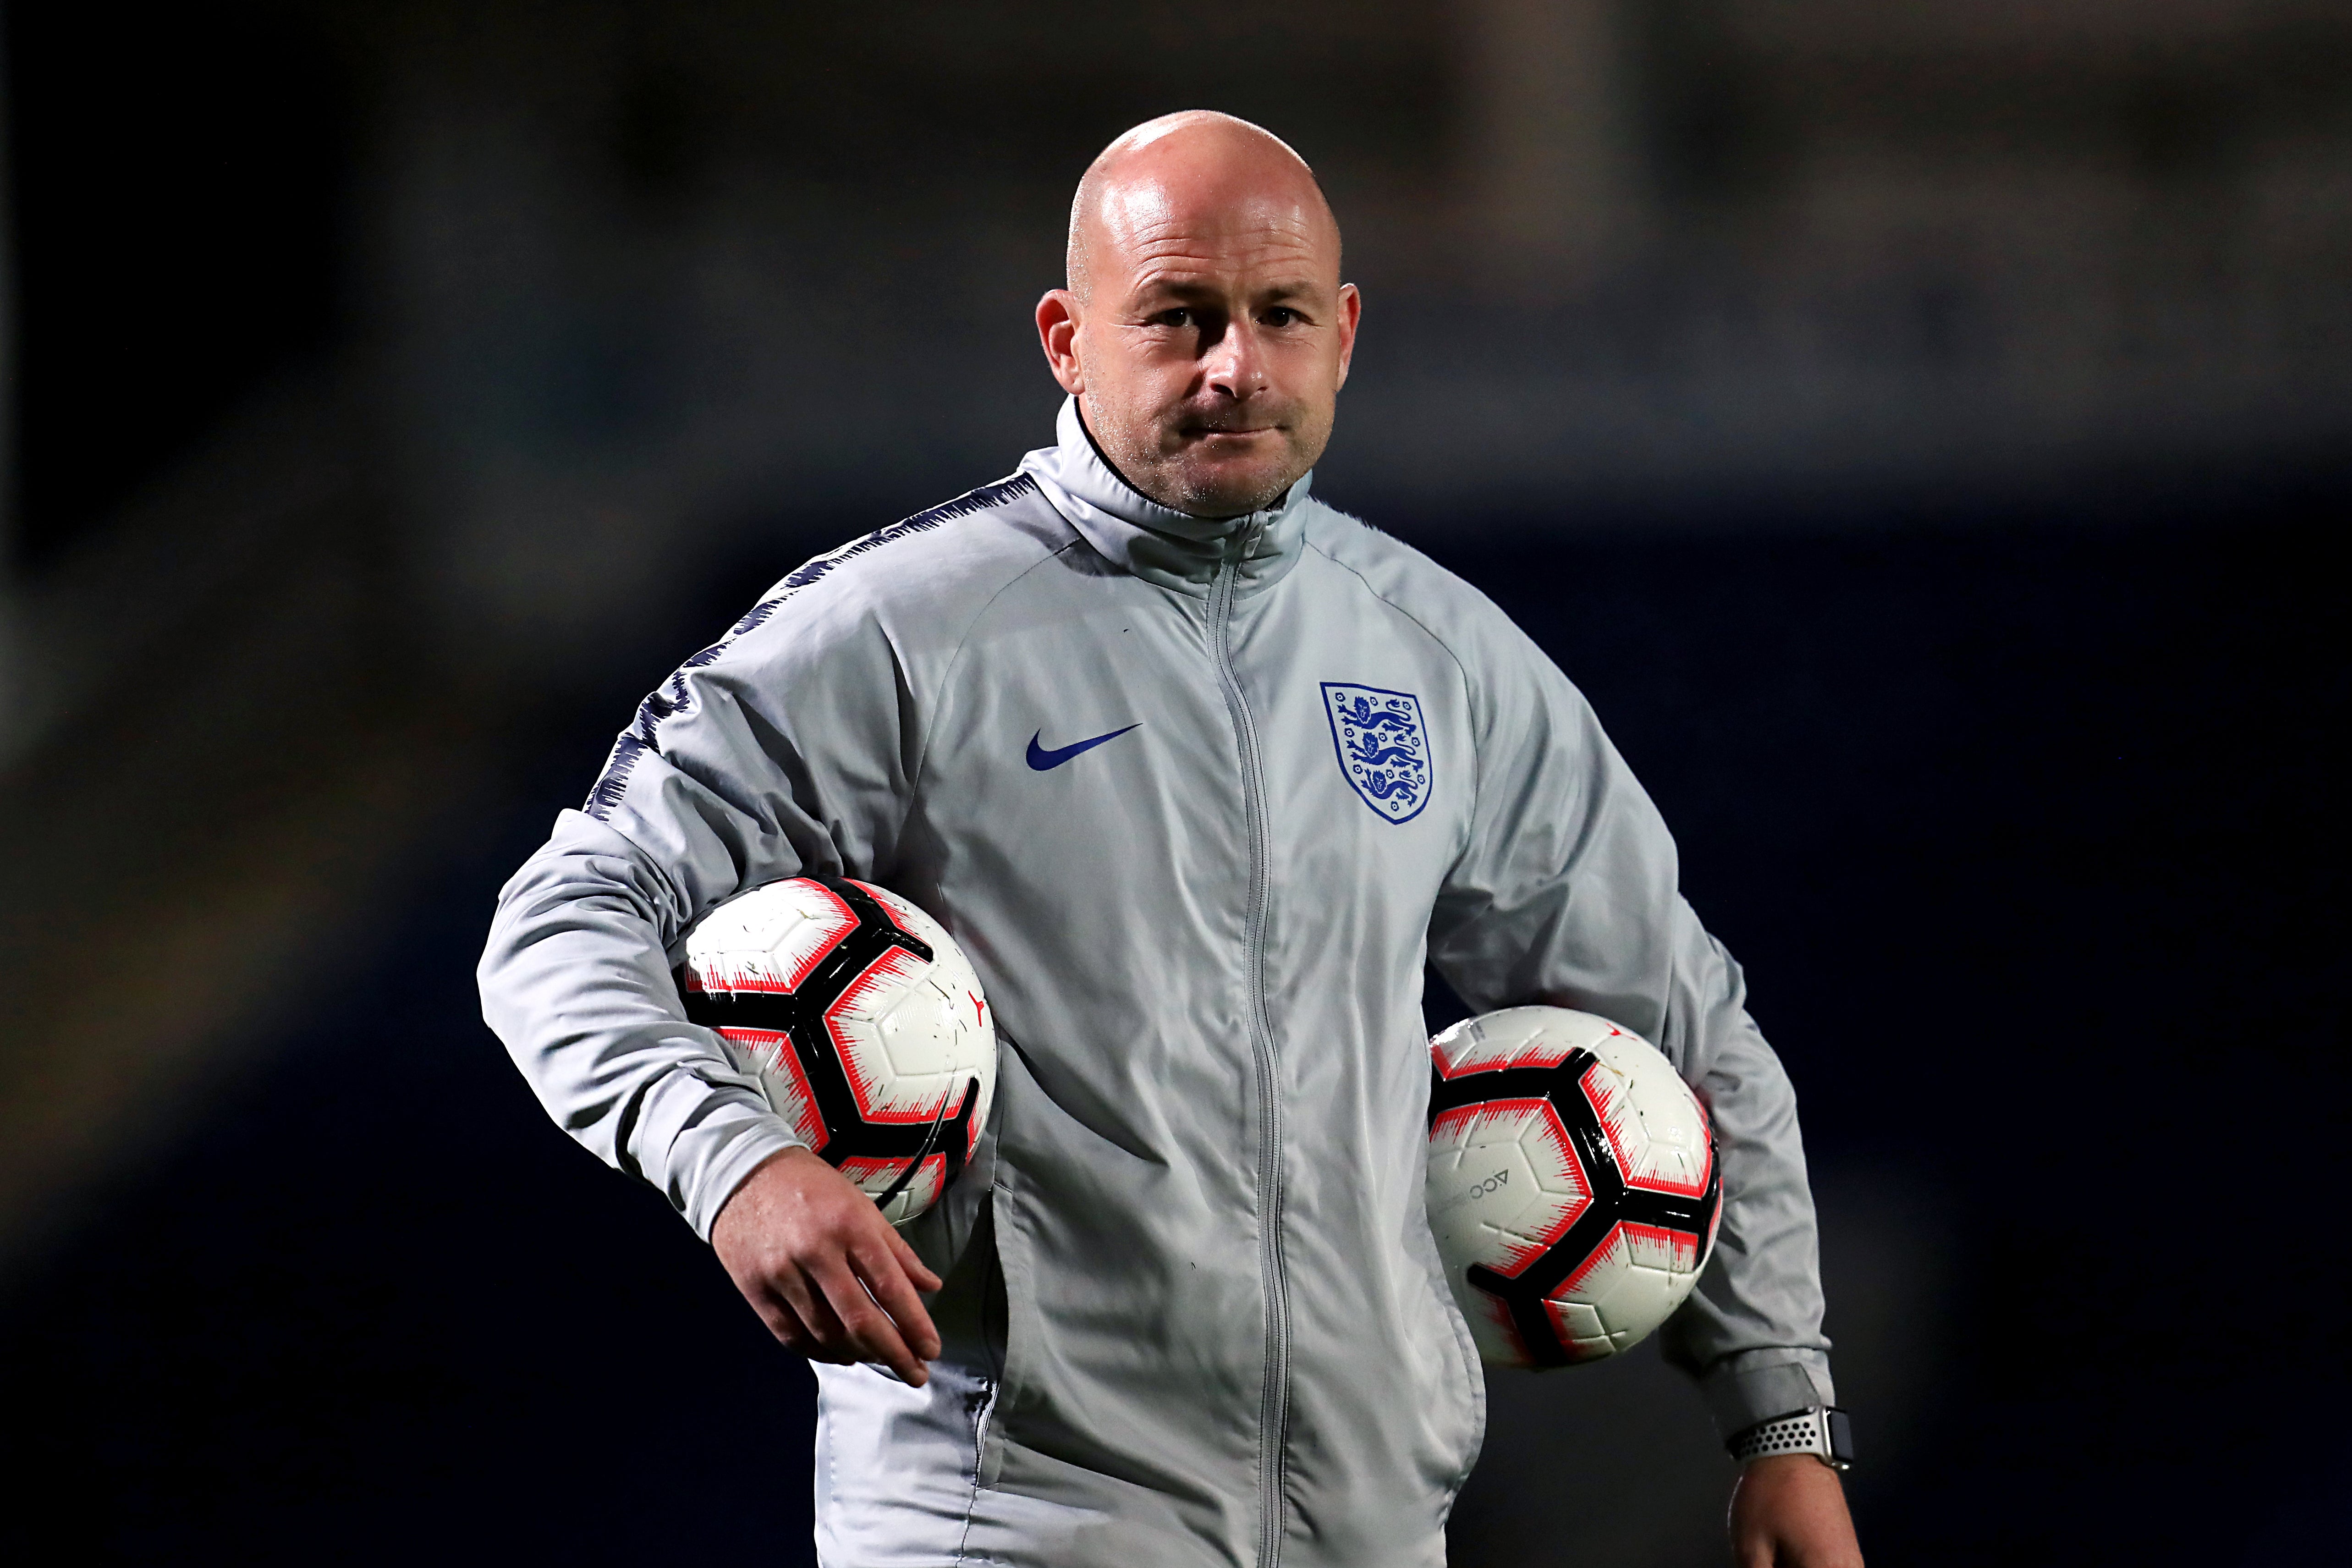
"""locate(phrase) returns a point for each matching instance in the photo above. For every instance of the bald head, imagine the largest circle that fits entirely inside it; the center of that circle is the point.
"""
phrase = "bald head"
(1205, 330)
(1192, 166)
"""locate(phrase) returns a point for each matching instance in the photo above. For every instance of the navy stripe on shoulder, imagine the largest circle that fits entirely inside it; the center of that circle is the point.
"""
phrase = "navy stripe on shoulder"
(613, 781)
(674, 696)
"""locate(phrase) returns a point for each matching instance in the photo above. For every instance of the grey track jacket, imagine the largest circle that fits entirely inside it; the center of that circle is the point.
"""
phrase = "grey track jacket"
(1194, 1314)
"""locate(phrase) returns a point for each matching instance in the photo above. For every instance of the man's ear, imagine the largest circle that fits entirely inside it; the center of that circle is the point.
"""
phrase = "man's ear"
(1057, 334)
(1351, 309)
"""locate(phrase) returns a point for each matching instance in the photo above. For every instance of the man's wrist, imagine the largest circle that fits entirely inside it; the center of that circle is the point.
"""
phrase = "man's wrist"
(1822, 1431)
(752, 1143)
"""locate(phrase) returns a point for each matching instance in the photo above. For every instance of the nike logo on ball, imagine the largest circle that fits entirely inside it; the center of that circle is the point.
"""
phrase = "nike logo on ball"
(1040, 759)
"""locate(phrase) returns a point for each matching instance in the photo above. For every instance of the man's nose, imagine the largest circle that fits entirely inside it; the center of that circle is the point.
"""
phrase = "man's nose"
(1236, 364)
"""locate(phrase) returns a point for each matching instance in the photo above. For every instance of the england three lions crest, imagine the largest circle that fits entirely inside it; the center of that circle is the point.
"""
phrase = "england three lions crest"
(1383, 746)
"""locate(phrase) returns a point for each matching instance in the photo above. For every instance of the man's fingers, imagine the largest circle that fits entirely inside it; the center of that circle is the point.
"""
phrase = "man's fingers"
(868, 1328)
(826, 1273)
(886, 1281)
(786, 1325)
(908, 1260)
(805, 1298)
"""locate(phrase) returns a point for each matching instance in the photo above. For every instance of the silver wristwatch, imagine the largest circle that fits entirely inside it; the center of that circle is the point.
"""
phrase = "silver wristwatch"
(1822, 1431)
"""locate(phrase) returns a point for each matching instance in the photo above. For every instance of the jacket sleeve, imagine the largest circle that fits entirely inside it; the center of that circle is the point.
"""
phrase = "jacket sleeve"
(1566, 892)
(780, 751)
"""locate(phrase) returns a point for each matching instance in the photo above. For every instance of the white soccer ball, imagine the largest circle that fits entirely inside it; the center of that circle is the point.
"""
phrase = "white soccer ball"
(865, 1023)
(1573, 1188)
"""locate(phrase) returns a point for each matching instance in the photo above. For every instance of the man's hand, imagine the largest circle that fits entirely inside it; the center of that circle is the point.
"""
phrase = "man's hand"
(824, 1269)
(1789, 1512)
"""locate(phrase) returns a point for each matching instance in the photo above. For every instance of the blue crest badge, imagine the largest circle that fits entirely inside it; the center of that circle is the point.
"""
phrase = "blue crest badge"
(1383, 747)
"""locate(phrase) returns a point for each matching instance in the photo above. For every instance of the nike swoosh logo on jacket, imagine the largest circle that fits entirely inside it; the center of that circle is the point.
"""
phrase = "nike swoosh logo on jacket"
(1044, 761)
(1193, 1313)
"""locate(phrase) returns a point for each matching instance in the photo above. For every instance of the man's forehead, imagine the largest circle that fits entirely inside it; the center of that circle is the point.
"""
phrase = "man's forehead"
(1144, 208)
(1158, 228)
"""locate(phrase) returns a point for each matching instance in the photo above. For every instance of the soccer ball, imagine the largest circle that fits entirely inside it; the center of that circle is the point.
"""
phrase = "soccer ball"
(1572, 1184)
(863, 1022)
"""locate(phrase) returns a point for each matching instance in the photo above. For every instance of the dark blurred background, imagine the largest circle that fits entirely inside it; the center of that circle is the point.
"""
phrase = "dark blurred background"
(1918, 425)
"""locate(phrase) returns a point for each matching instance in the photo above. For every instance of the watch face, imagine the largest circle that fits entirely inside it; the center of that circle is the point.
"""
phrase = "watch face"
(1840, 1438)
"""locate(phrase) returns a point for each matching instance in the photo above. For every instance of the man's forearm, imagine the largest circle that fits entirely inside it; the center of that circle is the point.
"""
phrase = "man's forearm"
(574, 983)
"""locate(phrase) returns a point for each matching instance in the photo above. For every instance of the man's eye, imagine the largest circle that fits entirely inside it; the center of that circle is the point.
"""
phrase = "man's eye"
(1281, 316)
(1180, 317)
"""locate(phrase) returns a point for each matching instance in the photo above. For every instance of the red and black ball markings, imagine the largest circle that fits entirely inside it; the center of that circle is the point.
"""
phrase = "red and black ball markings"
(862, 946)
(1613, 1200)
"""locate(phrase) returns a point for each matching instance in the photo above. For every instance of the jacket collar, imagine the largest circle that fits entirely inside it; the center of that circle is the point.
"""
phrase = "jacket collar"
(1172, 549)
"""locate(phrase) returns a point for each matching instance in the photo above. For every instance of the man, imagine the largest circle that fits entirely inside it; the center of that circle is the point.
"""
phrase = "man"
(1185, 1308)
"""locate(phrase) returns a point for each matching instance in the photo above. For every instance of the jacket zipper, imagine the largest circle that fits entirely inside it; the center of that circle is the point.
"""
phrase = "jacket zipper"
(1273, 1403)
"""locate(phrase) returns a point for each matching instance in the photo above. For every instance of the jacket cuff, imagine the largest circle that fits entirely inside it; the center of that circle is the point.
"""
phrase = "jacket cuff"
(1756, 1385)
(747, 1144)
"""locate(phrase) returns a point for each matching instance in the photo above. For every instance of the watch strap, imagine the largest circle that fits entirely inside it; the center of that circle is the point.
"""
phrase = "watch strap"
(1822, 1431)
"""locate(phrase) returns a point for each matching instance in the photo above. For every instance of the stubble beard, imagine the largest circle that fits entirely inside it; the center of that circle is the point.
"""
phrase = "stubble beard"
(1197, 489)
(1223, 495)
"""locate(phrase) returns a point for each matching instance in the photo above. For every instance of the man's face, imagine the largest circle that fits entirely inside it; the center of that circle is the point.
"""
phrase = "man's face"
(1214, 337)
